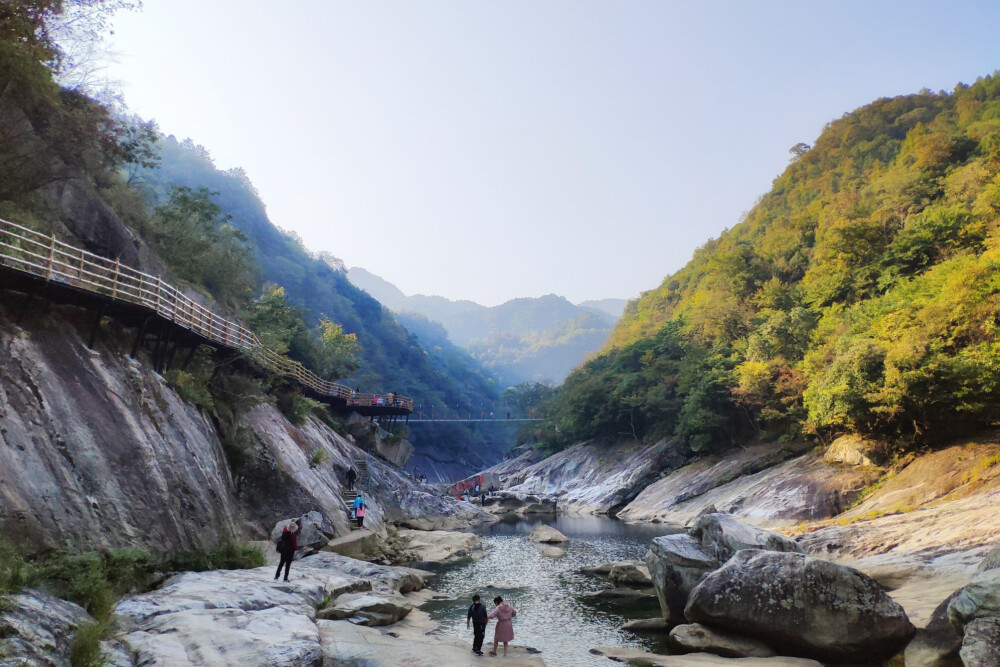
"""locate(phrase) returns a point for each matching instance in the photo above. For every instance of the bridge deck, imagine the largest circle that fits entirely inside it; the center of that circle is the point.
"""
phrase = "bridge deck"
(36, 263)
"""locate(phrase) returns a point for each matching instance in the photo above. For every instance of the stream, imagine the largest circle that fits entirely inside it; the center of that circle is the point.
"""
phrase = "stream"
(553, 614)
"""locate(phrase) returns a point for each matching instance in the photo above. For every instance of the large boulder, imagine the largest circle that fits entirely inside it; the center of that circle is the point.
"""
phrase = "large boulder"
(991, 561)
(981, 646)
(979, 599)
(721, 535)
(802, 606)
(547, 534)
(695, 637)
(937, 645)
(441, 546)
(630, 573)
(676, 564)
(315, 531)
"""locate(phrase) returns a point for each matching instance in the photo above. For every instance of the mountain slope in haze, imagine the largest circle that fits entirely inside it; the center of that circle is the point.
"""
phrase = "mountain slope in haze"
(392, 358)
(860, 295)
(529, 339)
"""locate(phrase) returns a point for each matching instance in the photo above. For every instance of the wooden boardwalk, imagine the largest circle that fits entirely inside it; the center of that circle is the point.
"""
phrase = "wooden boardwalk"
(35, 263)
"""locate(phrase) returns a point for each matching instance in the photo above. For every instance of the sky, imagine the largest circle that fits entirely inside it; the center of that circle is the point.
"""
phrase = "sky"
(494, 150)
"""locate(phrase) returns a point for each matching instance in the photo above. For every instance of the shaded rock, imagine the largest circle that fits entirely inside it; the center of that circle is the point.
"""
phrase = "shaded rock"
(721, 536)
(440, 546)
(633, 574)
(936, 645)
(695, 637)
(630, 598)
(374, 609)
(981, 646)
(547, 534)
(638, 657)
(602, 570)
(802, 606)
(647, 625)
(676, 564)
(553, 552)
(314, 531)
(355, 544)
(39, 628)
(979, 599)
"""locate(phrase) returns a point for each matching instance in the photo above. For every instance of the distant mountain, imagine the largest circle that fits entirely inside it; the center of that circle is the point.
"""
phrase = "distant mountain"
(537, 339)
(613, 307)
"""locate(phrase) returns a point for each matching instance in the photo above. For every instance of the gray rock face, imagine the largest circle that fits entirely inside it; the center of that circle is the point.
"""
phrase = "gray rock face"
(979, 599)
(936, 645)
(802, 606)
(981, 646)
(676, 564)
(721, 535)
(39, 628)
(695, 637)
(991, 561)
(368, 608)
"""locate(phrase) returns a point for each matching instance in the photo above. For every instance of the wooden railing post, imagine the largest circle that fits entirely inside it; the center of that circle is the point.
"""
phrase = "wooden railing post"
(52, 256)
(114, 282)
(158, 281)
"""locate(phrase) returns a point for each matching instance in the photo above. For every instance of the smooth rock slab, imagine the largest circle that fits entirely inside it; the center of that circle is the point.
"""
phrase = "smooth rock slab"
(547, 534)
(646, 625)
(283, 636)
(802, 606)
(981, 645)
(695, 637)
(642, 658)
(676, 564)
(375, 609)
(442, 546)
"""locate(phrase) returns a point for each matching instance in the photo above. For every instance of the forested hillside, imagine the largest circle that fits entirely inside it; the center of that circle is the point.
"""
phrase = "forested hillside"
(861, 294)
(390, 356)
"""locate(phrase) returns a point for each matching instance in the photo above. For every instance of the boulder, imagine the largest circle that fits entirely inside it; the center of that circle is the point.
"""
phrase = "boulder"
(369, 608)
(936, 645)
(602, 570)
(979, 599)
(676, 563)
(695, 637)
(355, 544)
(629, 598)
(851, 450)
(802, 606)
(721, 536)
(547, 534)
(553, 552)
(634, 656)
(315, 531)
(981, 646)
(630, 573)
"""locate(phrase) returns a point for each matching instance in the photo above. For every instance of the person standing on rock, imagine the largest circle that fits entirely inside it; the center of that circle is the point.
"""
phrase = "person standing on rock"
(479, 618)
(504, 631)
(352, 476)
(287, 545)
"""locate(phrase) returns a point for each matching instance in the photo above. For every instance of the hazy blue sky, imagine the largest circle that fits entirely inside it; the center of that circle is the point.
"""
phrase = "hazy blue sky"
(489, 150)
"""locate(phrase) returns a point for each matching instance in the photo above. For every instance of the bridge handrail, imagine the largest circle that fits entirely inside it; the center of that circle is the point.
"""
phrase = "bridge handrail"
(44, 256)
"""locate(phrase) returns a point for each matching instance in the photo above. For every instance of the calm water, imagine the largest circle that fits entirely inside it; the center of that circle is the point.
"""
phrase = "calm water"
(552, 615)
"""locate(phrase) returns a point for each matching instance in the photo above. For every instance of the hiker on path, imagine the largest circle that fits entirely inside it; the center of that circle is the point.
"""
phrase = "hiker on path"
(352, 476)
(504, 631)
(360, 514)
(287, 545)
(358, 501)
(479, 618)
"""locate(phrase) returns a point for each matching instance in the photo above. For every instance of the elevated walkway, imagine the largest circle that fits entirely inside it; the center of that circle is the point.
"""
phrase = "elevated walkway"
(37, 264)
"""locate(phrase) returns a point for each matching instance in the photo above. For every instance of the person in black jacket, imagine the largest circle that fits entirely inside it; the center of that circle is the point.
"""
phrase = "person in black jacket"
(479, 617)
(287, 545)
(352, 476)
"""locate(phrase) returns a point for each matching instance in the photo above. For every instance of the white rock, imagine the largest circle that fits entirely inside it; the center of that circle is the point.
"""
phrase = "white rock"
(547, 534)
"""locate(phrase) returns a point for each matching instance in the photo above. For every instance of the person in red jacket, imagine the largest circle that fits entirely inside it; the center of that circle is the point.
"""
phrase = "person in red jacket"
(288, 543)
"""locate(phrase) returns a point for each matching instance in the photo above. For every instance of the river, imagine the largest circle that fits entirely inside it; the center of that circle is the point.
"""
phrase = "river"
(548, 593)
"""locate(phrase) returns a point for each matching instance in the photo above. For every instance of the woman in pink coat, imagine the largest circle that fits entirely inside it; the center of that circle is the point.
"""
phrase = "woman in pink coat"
(504, 631)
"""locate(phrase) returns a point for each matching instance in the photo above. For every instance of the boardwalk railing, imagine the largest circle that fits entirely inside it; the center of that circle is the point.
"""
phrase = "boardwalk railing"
(45, 257)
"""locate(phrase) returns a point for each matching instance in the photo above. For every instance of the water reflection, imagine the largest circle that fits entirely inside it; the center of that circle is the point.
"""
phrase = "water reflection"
(552, 614)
